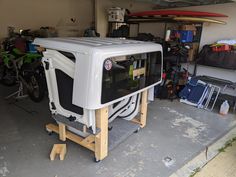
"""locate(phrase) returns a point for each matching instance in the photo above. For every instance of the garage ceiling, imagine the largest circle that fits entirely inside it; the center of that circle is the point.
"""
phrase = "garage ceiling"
(161, 4)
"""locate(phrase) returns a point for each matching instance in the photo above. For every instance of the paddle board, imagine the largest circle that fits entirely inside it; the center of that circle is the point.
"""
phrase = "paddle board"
(176, 13)
(198, 19)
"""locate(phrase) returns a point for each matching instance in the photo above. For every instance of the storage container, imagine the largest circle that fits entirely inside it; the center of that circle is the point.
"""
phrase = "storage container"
(186, 36)
(224, 108)
(116, 14)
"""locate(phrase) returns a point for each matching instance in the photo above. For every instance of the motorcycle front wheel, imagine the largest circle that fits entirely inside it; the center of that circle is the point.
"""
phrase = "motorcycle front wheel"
(36, 87)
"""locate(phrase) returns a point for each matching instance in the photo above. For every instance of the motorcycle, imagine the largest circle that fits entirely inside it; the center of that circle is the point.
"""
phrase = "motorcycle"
(25, 69)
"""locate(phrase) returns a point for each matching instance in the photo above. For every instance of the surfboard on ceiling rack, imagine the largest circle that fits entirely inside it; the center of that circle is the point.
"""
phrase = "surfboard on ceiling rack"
(176, 13)
(198, 19)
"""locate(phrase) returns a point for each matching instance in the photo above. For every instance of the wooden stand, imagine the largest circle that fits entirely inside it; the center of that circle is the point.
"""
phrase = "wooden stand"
(98, 143)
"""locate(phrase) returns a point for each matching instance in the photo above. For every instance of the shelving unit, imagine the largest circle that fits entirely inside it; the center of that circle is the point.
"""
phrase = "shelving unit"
(169, 23)
(171, 60)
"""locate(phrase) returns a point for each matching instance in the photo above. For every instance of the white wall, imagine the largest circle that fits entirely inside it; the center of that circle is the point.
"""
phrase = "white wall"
(101, 17)
(225, 74)
(103, 5)
(36, 13)
(213, 32)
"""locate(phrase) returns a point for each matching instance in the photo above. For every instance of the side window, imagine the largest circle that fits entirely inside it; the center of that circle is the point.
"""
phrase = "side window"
(68, 55)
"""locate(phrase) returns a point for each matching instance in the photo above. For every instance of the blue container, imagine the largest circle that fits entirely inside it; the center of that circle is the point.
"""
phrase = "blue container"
(186, 36)
(32, 48)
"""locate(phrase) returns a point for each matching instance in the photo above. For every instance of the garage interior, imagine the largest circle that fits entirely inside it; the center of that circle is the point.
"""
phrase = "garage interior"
(181, 135)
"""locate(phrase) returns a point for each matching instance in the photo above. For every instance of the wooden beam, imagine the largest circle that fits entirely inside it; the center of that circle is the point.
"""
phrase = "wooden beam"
(142, 119)
(62, 132)
(136, 120)
(40, 49)
(138, 72)
(89, 139)
(58, 149)
(73, 137)
(101, 139)
(143, 112)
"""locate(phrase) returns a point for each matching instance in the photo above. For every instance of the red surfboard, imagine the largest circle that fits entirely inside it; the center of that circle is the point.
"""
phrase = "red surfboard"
(176, 13)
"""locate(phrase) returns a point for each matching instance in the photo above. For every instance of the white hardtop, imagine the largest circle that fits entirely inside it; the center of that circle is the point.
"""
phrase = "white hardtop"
(90, 55)
(85, 44)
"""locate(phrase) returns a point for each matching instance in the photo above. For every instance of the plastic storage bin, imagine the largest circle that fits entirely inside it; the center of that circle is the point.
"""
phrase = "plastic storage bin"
(186, 36)
(32, 48)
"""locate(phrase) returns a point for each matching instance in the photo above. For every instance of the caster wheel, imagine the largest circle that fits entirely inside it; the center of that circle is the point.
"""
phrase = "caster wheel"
(95, 160)
(136, 131)
(110, 128)
(49, 132)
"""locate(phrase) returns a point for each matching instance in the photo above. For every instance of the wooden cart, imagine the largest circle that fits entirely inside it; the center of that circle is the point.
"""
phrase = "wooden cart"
(98, 143)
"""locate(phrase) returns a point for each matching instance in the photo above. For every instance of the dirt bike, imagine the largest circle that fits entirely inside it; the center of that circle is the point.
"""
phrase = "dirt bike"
(25, 69)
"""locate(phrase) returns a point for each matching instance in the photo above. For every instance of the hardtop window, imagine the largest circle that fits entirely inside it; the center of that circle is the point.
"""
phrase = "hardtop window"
(127, 74)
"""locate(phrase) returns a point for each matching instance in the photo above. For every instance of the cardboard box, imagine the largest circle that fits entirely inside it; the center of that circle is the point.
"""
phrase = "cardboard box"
(116, 14)
(192, 54)
(182, 81)
(188, 27)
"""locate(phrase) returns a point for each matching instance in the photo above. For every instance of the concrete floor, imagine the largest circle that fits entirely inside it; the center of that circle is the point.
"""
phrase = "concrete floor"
(175, 133)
